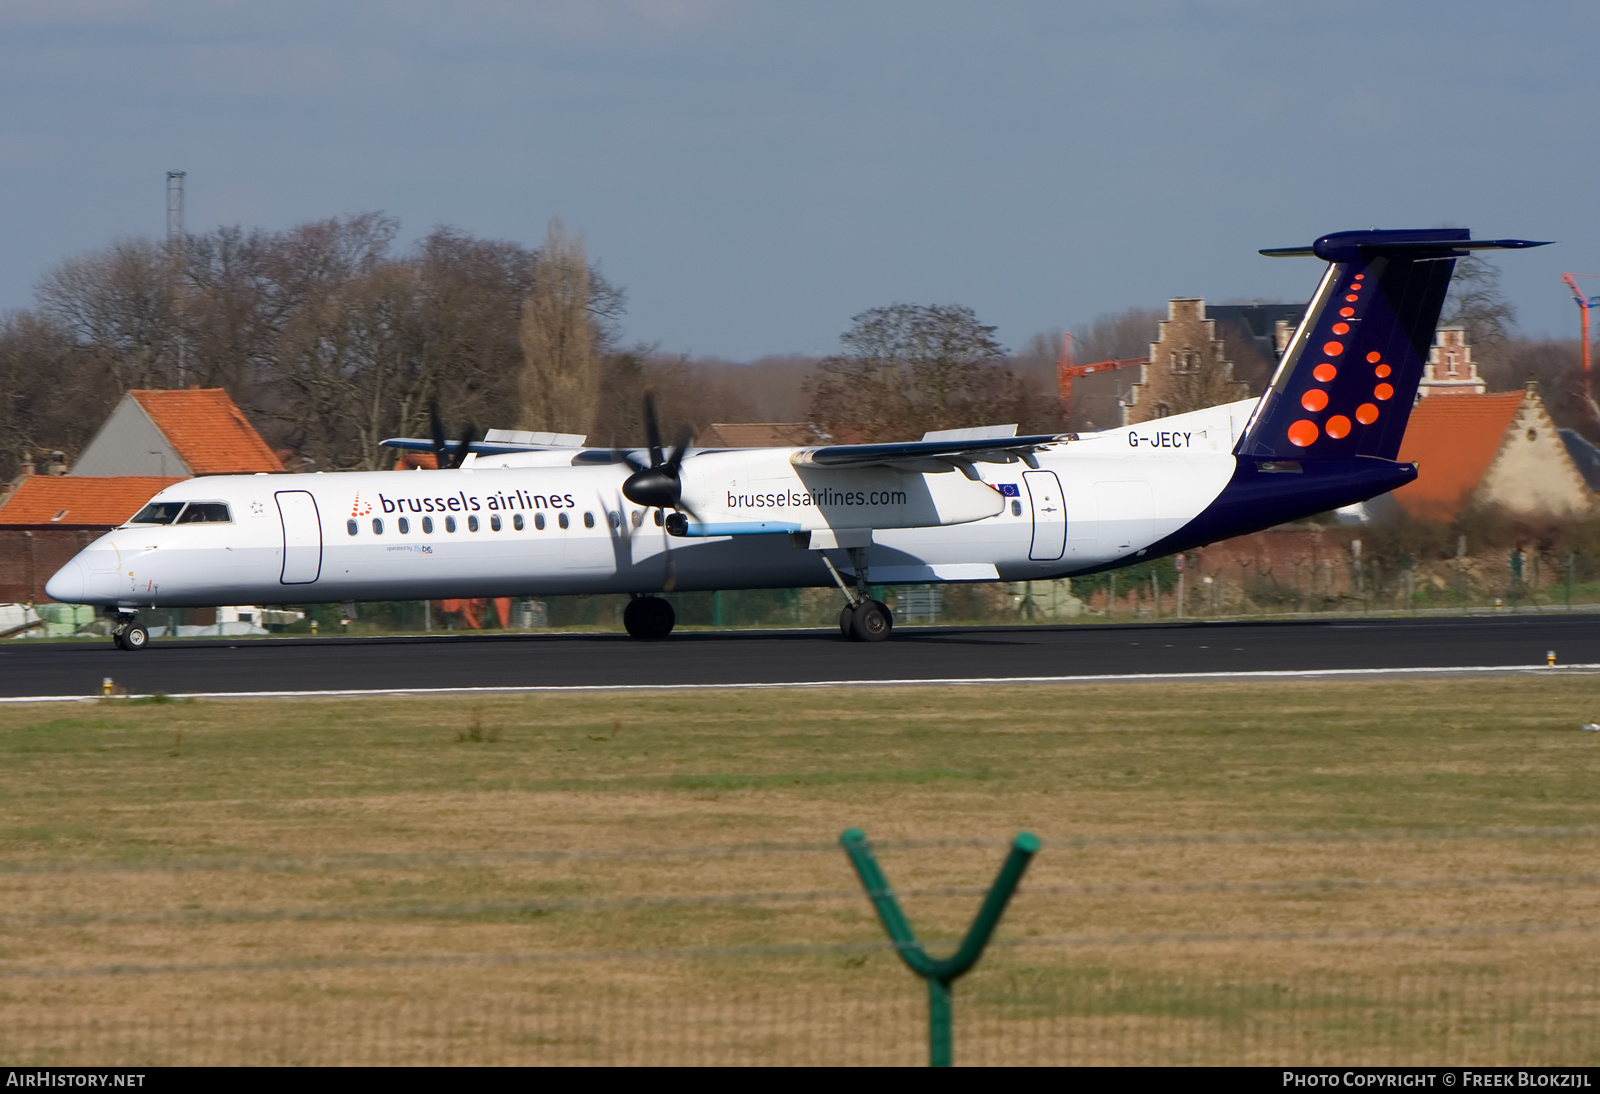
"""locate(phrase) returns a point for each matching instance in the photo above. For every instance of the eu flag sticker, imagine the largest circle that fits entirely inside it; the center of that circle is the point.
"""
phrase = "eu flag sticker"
(1008, 490)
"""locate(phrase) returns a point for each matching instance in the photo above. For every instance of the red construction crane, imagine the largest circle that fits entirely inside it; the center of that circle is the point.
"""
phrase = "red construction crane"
(1584, 304)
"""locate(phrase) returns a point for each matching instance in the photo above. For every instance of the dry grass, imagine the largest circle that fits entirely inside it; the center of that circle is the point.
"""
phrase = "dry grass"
(128, 788)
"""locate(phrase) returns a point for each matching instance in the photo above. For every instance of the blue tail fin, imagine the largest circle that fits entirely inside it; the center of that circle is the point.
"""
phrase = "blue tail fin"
(1347, 382)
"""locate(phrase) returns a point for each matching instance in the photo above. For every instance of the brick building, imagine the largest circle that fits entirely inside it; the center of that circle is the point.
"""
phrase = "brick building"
(1189, 367)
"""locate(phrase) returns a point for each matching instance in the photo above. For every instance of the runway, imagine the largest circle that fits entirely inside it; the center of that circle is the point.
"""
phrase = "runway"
(991, 654)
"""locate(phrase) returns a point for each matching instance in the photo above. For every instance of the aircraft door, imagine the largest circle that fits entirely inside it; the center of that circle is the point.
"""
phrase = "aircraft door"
(1049, 515)
(302, 537)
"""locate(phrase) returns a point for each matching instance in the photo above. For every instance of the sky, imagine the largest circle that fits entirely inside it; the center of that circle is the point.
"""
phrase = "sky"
(755, 173)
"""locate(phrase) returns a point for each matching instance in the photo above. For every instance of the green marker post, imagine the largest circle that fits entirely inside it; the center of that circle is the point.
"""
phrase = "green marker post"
(940, 975)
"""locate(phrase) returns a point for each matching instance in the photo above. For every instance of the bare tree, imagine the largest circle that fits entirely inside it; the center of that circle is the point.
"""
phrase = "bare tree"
(560, 343)
(1477, 304)
(53, 394)
(912, 368)
(1117, 335)
(122, 303)
(328, 339)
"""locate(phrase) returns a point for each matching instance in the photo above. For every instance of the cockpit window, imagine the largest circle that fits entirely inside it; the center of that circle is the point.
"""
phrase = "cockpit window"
(204, 512)
(157, 512)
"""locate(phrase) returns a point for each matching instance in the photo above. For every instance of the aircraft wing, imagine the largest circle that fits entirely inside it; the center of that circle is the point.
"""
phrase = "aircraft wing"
(931, 456)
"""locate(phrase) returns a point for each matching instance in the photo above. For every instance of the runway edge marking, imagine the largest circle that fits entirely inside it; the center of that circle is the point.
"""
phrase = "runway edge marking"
(955, 681)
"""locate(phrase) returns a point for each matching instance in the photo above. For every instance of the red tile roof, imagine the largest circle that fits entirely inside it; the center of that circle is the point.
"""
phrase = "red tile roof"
(210, 433)
(58, 501)
(1453, 438)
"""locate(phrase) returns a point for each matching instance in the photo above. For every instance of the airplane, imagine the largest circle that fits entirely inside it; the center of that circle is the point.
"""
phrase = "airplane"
(531, 515)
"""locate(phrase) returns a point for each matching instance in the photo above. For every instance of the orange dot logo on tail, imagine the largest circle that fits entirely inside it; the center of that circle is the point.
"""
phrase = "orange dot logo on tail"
(1314, 400)
(1384, 391)
(1366, 413)
(1382, 371)
(1325, 372)
(1338, 426)
(1302, 433)
(1374, 357)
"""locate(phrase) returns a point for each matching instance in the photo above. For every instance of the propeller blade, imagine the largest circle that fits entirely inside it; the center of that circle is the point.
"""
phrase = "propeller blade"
(684, 437)
(652, 429)
(436, 424)
(464, 447)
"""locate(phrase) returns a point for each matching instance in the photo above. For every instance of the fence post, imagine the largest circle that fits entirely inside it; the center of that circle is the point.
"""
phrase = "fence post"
(940, 975)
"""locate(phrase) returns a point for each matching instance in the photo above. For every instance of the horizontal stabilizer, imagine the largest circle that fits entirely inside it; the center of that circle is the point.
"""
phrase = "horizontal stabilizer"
(1414, 243)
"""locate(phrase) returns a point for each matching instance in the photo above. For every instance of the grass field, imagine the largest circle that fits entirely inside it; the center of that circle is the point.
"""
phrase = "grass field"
(253, 833)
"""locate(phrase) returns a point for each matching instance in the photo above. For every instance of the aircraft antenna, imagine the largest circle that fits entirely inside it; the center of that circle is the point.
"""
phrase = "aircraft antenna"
(175, 213)
(175, 249)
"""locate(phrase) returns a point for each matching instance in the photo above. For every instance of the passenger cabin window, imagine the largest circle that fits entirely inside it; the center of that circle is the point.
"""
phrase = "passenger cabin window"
(427, 526)
(516, 521)
(157, 512)
(1016, 507)
(449, 524)
(377, 526)
(562, 520)
(472, 524)
(404, 525)
(615, 519)
(351, 526)
(588, 520)
(638, 517)
(494, 523)
(658, 518)
(204, 512)
(538, 521)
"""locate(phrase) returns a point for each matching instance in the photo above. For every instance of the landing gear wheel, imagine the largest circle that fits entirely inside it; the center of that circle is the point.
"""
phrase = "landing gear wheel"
(871, 622)
(847, 616)
(649, 618)
(134, 637)
(887, 614)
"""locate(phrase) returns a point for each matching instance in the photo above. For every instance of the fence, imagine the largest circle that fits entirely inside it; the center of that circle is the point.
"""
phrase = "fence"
(1393, 952)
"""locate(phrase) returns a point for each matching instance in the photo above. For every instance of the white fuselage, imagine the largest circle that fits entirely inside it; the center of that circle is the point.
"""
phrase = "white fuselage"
(546, 527)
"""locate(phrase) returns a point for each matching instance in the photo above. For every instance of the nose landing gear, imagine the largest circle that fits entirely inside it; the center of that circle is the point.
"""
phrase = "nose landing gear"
(130, 634)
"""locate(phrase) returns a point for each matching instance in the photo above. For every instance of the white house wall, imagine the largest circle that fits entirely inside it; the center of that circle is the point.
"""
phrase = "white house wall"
(129, 443)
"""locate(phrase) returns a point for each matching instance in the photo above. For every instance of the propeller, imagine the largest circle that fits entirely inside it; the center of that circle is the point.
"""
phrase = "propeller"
(442, 454)
(659, 486)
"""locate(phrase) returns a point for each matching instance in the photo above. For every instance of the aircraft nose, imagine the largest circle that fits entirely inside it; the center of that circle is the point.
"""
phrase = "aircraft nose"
(67, 584)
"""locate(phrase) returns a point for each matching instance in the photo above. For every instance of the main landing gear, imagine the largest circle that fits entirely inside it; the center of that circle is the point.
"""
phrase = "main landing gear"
(866, 621)
(649, 618)
(129, 634)
(863, 618)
